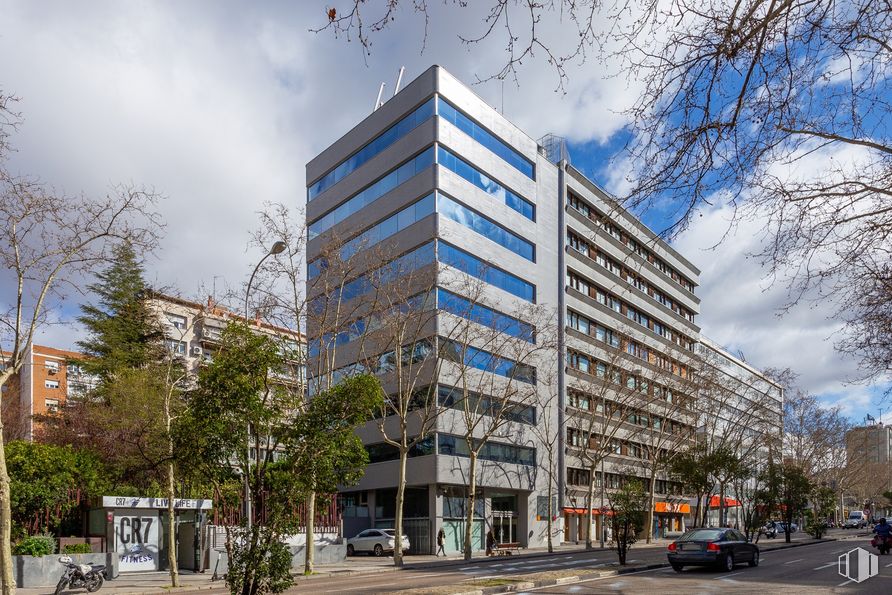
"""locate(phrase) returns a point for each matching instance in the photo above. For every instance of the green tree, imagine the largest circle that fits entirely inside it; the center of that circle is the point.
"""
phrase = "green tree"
(44, 480)
(794, 492)
(628, 506)
(694, 468)
(123, 332)
(325, 451)
(823, 504)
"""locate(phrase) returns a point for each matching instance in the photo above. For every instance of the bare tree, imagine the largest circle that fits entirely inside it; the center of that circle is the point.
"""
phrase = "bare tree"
(603, 395)
(49, 241)
(492, 359)
(547, 431)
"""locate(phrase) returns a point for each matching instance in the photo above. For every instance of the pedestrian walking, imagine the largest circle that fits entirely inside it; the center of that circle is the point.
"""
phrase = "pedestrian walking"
(441, 542)
(490, 543)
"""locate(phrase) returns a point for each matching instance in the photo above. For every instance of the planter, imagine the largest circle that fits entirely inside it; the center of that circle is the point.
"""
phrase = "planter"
(44, 571)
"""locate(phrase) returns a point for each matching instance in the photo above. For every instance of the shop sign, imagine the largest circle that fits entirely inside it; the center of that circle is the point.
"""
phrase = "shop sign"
(672, 507)
(155, 503)
(136, 540)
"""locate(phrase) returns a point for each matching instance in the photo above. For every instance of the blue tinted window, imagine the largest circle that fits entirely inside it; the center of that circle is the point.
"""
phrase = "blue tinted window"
(498, 234)
(408, 262)
(491, 451)
(488, 362)
(463, 307)
(461, 260)
(383, 230)
(372, 192)
(483, 136)
(381, 142)
(485, 183)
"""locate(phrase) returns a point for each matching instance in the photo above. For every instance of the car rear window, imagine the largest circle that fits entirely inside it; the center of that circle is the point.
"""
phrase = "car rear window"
(390, 531)
(702, 535)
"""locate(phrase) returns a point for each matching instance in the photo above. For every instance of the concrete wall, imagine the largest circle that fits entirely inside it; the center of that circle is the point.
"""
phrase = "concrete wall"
(324, 554)
(44, 571)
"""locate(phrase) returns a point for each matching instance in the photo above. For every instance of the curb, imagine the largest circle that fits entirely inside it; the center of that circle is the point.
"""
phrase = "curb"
(568, 580)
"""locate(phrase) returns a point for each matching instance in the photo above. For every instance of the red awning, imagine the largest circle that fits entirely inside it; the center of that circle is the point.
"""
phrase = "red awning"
(729, 502)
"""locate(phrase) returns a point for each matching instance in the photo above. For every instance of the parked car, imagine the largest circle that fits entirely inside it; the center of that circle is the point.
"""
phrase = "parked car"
(712, 547)
(375, 541)
(857, 520)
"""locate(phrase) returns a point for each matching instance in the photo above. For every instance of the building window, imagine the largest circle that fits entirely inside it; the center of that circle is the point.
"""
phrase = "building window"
(52, 405)
(51, 367)
(176, 347)
(491, 451)
(464, 216)
(485, 183)
(467, 263)
(51, 384)
(378, 144)
(176, 321)
(578, 477)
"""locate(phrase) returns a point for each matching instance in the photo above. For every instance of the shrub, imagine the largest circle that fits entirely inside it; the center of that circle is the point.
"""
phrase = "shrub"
(36, 545)
(78, 548)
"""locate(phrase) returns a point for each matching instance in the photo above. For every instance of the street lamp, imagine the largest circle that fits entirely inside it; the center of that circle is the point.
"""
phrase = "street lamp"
(277, 248)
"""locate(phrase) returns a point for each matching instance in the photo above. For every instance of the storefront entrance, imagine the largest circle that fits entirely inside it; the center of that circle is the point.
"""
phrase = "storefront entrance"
(504, 518)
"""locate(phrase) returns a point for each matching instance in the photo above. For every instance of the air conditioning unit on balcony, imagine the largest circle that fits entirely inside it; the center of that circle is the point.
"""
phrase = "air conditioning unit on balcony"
(196, 351)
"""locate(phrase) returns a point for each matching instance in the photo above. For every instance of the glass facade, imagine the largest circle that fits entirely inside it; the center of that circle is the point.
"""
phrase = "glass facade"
(483, 136)
(417, 258)
(492, 231)
(499, 452)
(485, 183)
(460, 306)
(451, 397)
(461, 260)
(383, 230)
(381, 142)
(486, 361)
(372, 192)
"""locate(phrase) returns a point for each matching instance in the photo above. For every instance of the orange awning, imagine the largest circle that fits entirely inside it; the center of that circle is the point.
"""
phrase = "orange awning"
(729, 502)
(581, 511)
(670, 507)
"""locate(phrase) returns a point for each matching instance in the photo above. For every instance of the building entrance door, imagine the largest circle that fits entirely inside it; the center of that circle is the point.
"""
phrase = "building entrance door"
(504, 518)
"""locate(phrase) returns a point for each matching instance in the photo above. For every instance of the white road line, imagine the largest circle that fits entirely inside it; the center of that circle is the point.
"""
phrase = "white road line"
(829, 565)
(888, 565)
(794, 561)
(718, 578)
(844, 583)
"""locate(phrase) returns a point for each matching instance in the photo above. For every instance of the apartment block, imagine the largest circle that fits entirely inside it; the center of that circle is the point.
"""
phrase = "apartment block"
(438, 181)
(48, 378)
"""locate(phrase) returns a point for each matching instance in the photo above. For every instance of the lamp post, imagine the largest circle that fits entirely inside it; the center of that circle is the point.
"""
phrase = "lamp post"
(277, 248)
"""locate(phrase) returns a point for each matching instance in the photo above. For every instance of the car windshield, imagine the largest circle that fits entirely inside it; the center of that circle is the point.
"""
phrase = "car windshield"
(702, 535)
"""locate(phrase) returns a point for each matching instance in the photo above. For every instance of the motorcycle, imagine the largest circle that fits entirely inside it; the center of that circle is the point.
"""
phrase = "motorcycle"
(87, 576)
(884, 544)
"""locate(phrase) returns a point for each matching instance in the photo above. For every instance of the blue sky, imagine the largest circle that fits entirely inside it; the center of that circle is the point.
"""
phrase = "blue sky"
(219, 105)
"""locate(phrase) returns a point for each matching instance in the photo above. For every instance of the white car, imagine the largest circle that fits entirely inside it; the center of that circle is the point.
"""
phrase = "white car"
(375, 541)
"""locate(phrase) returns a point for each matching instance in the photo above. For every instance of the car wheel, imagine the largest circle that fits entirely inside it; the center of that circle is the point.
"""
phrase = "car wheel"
(755, 560)
(677, 567)
(379, 551)
(350, 550)
(729, 562)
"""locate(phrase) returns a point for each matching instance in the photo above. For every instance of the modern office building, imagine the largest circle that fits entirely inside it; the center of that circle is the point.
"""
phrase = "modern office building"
(458, 191)
(870, 443)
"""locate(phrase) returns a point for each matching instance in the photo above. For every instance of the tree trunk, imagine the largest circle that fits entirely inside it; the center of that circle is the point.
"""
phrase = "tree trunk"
(398, 513)
(6, 578)
(722, 522)
(171, 523)
(697, 511)
(469, 513)
(549, 525)
(310, 545)
(589, 501)
(650, 506)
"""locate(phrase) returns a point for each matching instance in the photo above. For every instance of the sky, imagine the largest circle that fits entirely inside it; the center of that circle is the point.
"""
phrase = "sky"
(219, 105)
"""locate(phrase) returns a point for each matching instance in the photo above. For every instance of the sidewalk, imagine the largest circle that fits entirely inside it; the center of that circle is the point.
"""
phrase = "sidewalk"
(146, 583)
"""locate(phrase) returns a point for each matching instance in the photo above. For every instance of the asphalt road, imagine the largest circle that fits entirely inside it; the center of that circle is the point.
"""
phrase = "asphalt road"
(810, 569)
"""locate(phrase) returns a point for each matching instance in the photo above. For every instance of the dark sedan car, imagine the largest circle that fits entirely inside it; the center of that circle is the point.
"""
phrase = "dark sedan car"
(712, 547)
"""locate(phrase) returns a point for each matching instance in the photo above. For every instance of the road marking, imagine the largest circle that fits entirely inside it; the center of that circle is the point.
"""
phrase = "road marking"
(888, 565)
(718, 578)
(794, 561)
(829, 565)
(843, 584)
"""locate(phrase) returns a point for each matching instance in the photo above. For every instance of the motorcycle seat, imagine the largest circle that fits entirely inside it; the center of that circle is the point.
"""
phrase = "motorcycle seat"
(97, 566)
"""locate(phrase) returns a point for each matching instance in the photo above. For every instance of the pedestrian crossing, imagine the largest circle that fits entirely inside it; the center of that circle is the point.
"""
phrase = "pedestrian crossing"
(525, 566)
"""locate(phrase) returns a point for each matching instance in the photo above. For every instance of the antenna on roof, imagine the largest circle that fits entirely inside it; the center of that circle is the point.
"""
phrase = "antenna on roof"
(399, 79)
(378, 102)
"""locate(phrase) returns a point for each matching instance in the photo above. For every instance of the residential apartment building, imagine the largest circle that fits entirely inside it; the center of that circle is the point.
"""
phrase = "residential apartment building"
(871, 444)
(455, 187)
(48, 378)
(193, 332)
(740, 408)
